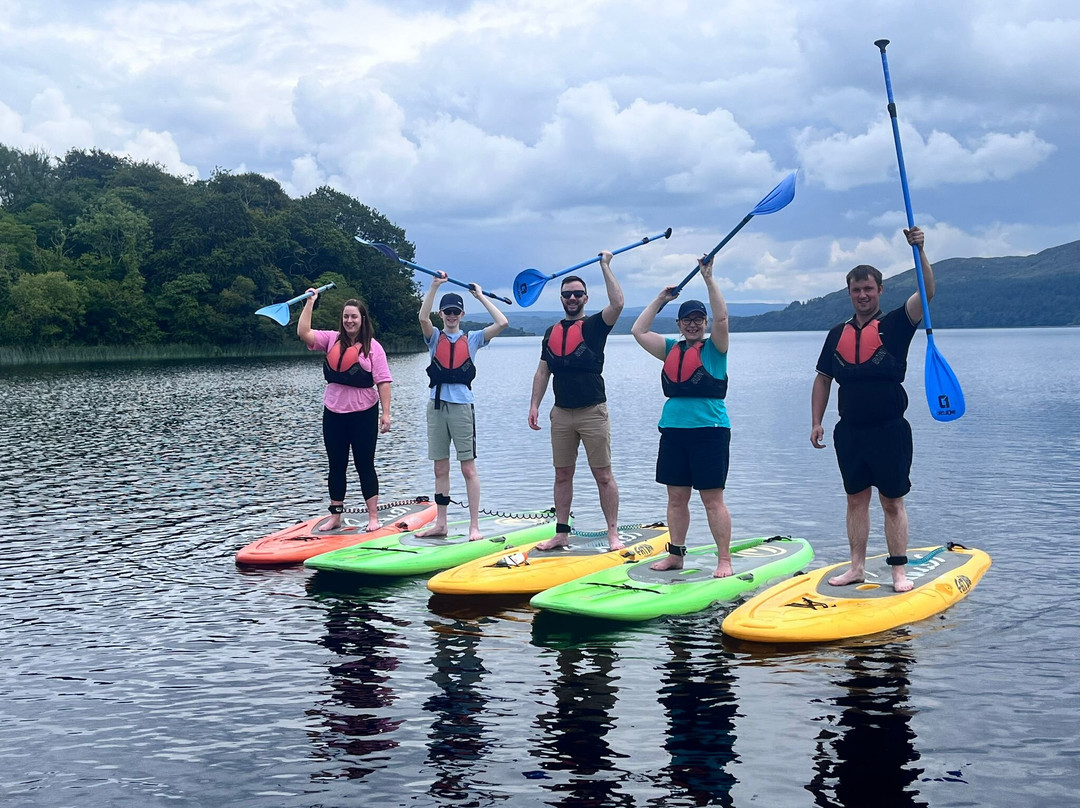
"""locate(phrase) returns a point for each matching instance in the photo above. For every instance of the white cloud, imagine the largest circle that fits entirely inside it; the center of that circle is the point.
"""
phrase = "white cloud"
(495, 124)
(160, 148)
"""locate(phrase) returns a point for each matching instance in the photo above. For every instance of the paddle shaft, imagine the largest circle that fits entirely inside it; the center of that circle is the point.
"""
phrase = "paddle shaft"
(391, 253)
(715, 250)
(306, 295)
(881, 43)
(646, 240)
(468, 286)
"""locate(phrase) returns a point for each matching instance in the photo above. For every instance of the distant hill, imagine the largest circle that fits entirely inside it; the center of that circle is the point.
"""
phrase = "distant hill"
(536, 322)
(1019, 291)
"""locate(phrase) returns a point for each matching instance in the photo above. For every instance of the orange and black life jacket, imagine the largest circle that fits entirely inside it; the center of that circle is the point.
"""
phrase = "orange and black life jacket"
(860, 355)
(685, 375)
(450, 364)
(342, 366)
(566, 349)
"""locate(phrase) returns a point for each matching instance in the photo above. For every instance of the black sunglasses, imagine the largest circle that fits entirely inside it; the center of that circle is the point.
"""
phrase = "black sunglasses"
(578, 293)
(452, 312)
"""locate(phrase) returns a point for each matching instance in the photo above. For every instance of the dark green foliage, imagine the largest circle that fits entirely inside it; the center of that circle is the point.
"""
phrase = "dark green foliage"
(97, 249)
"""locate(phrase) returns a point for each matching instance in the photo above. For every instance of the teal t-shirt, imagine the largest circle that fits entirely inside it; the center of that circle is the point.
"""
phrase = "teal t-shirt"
(693, 413)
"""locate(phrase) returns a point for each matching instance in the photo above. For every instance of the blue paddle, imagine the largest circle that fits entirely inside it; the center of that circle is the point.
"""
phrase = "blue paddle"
(943, 392)
(777, 199)
(279, 312)
(529, 283)
(391, 253)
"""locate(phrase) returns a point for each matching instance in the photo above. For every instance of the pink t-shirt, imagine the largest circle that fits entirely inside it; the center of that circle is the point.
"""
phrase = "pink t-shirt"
(342, 397)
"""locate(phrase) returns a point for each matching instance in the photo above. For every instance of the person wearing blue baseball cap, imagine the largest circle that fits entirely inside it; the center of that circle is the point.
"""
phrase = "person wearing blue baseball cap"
(695, 432)
(450, 414)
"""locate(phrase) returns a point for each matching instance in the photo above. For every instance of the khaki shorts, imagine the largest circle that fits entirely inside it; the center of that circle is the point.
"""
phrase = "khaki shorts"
(588, 425)
(451, 422)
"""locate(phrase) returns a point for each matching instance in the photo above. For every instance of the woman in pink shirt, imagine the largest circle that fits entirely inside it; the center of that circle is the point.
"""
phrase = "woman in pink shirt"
(358, 388)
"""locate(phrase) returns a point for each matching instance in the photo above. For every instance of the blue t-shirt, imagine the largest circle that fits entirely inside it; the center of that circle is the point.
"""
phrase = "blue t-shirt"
(457, 393)
(685, 412)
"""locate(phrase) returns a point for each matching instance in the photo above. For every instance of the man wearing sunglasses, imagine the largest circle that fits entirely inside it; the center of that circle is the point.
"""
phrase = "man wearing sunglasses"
(450, 415)
(573, 353)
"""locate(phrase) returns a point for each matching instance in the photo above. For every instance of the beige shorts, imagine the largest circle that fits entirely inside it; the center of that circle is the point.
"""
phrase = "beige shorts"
(588, 425)
(451, 422)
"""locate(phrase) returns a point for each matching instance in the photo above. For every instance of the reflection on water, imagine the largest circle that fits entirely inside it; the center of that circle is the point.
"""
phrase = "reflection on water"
(697, 696)
(868, 747)
(458, 737)
(141, 667)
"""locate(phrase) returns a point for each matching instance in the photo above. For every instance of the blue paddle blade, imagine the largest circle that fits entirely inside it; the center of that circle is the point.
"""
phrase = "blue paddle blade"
(279, 313)
(778, 198)
(386, 250)
(943, 392)
(528, 285)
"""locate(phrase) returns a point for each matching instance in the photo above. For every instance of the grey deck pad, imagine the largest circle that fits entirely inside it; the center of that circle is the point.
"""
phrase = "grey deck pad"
(700, 566)
(878, 572)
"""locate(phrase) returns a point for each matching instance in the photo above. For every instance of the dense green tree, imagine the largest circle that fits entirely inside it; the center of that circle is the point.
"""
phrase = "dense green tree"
(46, 309)
(136, 255)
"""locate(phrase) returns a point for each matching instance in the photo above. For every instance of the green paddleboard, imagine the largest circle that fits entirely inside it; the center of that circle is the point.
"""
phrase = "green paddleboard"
(635, 592)
(409, 554)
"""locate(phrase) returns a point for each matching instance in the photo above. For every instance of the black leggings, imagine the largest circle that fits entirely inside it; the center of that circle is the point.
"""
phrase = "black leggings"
(359, 430)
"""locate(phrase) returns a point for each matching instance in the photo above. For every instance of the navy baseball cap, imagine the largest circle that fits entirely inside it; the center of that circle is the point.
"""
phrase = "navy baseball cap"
(451, 300)
(692, 307)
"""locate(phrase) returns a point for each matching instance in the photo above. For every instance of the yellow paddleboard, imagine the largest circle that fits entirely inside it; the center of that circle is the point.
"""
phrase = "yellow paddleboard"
(526, 570)
(807, 608)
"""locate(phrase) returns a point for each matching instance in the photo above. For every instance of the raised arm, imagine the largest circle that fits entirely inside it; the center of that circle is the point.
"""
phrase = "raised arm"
(303, 325)
(614, 307)
(915, 238)
(500, 323)
(641, 329)
(429, 302)
(721, 335)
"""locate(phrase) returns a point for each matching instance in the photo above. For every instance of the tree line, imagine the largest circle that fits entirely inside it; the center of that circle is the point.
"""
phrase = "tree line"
(98, 249)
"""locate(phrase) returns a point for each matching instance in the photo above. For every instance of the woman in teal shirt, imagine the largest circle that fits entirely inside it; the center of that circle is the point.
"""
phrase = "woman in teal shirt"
(695, 433)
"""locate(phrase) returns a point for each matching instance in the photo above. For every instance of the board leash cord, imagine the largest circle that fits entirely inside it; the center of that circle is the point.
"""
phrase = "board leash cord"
(547, 512)
(387, 505)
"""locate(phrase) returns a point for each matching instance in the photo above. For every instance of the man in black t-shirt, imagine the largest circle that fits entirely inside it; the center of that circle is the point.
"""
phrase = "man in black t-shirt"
(573, 353)
(867, 356)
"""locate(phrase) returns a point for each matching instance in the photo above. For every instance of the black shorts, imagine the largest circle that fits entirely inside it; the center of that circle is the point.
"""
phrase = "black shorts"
(694, 458)
(878, 455)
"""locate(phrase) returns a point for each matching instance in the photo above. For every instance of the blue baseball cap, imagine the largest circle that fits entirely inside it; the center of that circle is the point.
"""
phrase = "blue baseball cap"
(451, 300)
(692, 307)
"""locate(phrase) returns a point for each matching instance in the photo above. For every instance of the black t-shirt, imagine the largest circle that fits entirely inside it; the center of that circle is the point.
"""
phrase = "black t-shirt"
(578, 388)
(872, 397)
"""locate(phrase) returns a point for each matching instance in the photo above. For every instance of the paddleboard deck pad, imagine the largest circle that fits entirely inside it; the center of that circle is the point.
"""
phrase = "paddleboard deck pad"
(634, 591)
(410, 554)
(528, 570)
(307, 539)
(807, 608)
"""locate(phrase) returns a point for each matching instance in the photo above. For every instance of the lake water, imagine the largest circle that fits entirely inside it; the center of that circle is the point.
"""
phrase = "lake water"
(140, 667)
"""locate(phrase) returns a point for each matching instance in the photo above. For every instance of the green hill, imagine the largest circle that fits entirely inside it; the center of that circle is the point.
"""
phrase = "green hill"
(1017, 291)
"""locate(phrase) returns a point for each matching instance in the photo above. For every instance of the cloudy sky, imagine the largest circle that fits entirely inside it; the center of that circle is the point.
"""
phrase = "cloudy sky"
(505, 134)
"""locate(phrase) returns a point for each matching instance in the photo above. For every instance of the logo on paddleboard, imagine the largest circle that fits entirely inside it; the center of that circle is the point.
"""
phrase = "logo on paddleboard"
(963, 583)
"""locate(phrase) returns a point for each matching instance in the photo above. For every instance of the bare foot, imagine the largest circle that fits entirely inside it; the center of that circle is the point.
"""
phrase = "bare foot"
(475, 534)
(373, 524)
(723, 568)
(436, 531)
(672, 562)
(900, 583)
(330, 523)
(852, 576)
(558, 540)
(615, 543)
